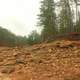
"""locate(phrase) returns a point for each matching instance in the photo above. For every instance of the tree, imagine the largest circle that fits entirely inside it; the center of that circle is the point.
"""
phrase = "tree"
(77, 3)
(33, 38)
(66, 17)
(21, 41)
(77, 26)
(7, 38)
(47, 19)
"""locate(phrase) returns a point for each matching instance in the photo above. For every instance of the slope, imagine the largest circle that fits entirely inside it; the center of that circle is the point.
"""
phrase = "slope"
(59, 60)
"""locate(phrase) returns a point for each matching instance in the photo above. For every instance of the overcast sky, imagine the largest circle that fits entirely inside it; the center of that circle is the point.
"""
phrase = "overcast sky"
(19, 16)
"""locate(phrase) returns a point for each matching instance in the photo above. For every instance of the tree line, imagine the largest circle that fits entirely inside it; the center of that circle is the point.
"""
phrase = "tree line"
(7, 38)
(59, 17)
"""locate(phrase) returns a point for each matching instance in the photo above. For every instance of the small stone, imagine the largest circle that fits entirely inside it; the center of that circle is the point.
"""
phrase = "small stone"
(40, 61)
(50, 50)
(15, 54)
(28, 53)
(77, 51)
(1, 60)
(75, 48)
(8, 70)
(19, 61)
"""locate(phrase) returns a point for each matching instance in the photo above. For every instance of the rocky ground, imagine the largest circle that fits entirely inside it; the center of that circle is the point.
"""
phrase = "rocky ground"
(58, 60)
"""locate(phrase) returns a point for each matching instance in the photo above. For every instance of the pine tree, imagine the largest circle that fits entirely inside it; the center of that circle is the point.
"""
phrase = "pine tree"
(66, 17)
(77, 27)
(47, 19)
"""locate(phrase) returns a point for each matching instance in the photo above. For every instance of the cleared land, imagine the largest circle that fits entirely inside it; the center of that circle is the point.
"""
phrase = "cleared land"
(58, 60)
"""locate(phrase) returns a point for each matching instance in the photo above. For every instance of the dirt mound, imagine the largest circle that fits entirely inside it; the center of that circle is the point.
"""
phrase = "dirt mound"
(58, 60)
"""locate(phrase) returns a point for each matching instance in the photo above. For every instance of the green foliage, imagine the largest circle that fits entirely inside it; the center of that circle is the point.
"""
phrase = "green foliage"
(6, 37)
(66, 20)
(47, 18)
(33, 38)
(21, 41)
(77, 26)
(9, 39)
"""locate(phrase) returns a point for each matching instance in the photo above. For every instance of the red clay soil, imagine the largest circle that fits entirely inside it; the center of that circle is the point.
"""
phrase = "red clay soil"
(52, 61)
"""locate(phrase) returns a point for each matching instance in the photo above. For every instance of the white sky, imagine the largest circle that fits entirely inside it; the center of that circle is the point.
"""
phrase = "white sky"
(19, 16)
